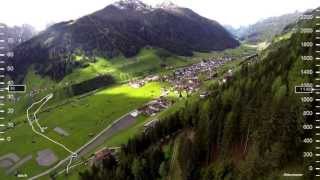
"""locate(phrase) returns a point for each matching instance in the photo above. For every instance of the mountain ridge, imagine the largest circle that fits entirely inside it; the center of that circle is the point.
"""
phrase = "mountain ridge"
(265, 29)
(114, 31)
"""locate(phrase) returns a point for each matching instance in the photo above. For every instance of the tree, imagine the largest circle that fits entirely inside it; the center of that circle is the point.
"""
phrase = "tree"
(137, 169)
(163, 169)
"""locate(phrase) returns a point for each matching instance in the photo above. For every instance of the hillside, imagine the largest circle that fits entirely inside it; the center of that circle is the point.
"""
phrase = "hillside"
(122, 28)
(266, 29)
(247, 128)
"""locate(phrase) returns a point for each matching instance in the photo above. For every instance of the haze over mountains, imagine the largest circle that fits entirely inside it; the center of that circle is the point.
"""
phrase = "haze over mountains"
(264, 30)
(19, 34)
(122, 28)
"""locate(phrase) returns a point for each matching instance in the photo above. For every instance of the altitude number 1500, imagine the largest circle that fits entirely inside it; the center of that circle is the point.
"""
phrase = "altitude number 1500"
(306, 99)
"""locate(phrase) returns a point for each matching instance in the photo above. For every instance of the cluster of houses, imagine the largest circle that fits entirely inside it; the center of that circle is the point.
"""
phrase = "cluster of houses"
(187, 78)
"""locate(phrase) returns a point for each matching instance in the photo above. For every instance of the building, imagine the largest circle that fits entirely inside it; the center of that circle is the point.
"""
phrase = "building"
(134, 113)
(100, 155)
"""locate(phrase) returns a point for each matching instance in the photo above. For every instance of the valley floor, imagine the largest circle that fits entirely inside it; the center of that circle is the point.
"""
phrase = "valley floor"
(103, 115)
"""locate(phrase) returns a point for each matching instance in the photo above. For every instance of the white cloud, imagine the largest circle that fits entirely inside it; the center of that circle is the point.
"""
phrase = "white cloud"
(234, 12)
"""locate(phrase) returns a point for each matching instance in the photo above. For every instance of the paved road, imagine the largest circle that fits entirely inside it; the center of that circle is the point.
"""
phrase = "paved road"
(123, 123)
(118, 125)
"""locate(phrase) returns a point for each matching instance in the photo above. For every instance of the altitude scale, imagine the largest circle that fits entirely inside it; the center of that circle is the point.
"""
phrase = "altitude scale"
(7, 87)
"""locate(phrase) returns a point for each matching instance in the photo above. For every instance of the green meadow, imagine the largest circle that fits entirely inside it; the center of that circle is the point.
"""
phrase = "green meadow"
(85, 116)
(82, 118)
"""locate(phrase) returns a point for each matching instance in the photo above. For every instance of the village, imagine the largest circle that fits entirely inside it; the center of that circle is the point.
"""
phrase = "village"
(183, 79)
(189, 78)
(186, 79)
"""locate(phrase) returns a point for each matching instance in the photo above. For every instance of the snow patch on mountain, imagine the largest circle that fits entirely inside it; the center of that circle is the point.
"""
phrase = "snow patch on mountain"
(132, 4)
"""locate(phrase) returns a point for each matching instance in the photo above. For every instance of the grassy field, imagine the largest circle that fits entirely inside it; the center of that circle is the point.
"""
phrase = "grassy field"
(147, 61)
(82, 119)
(85, 117)
(123, 136)
(241, 51)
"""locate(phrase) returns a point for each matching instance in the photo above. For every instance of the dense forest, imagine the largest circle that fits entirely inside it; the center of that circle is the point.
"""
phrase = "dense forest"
(92, 84)
(248, 128)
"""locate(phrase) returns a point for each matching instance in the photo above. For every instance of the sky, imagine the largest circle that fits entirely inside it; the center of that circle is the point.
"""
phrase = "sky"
(40, 13)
